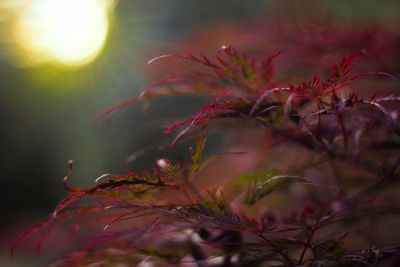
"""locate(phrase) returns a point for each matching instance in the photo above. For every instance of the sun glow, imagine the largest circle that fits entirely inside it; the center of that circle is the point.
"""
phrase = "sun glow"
(70, 32)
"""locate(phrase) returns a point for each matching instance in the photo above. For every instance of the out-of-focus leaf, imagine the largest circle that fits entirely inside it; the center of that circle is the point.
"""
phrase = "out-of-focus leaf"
(330, 247)
(260, 190)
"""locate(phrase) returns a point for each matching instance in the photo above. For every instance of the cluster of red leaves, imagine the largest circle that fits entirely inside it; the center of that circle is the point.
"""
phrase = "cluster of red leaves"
(119, 186)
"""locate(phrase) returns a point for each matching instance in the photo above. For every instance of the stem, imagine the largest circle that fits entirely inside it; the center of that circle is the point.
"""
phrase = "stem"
(337, 179)
(306, 245)
(188, 196)
(284, 256)
(343, 128)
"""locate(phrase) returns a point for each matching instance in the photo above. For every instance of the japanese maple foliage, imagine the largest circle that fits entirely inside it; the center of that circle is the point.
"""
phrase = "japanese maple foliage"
(322, 194)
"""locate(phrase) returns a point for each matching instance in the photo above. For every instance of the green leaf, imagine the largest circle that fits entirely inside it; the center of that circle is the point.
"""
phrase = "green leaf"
(331, 247)
(201, 139)
(258, 190)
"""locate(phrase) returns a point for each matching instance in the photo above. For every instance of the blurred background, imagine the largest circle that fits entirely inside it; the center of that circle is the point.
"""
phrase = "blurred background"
(64, 61)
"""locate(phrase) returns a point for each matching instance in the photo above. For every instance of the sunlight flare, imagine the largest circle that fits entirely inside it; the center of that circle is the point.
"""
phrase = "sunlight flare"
(70, 32)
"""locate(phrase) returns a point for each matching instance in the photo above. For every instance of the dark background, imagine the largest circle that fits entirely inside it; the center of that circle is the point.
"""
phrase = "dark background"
(46, 111)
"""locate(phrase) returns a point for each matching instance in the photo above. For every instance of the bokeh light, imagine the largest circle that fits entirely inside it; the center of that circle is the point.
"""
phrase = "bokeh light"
(69, 32)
